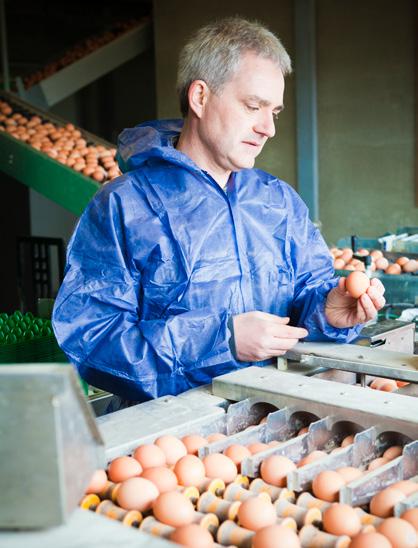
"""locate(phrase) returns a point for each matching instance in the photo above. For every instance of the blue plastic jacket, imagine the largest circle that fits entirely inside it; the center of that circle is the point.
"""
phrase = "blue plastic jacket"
(162, 258)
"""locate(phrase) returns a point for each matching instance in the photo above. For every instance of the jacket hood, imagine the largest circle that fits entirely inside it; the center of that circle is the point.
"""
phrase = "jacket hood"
(151, 140)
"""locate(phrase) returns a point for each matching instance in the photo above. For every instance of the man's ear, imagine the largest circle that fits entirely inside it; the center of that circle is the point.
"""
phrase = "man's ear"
(198, 95)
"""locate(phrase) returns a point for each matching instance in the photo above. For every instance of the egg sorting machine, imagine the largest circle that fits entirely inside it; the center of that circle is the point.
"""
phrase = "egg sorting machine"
(332, 408)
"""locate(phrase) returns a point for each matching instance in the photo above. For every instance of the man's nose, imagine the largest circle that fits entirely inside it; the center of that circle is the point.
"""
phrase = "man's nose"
(265, 125)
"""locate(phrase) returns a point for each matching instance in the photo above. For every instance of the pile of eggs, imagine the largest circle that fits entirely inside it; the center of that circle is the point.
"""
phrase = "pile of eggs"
(79, 51)
(64, 144)
(165, 489)
(344, 260)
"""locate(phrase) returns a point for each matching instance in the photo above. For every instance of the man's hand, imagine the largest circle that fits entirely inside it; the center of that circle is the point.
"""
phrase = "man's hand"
(343, 310)
(260, 336)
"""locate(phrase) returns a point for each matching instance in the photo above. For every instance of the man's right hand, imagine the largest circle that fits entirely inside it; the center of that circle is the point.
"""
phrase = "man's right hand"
(260, 336)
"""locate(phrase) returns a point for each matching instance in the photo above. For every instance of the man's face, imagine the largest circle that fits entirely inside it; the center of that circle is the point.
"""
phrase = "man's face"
(236, 122)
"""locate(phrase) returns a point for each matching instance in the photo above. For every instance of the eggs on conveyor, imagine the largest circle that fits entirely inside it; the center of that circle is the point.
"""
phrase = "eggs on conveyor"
(173, 509)
(192, 536)
(399, 532)
(344, 260)
(275, 468)
(341, 519)
(137, 494)
(166, 489)
(64, 144)
(275, 536)
(220, 466)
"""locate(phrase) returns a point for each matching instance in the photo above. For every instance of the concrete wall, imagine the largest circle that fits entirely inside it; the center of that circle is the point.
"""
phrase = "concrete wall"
(365, 69)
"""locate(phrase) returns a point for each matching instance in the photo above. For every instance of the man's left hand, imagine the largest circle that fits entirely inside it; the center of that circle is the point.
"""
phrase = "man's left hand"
(343, 310)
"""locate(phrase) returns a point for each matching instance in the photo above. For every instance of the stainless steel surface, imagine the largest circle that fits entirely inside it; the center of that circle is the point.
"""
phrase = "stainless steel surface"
(50, 444)
(362, 490)
(84, 529)
(389, 335)
(321, 397)
(124, 430)
(359, 359)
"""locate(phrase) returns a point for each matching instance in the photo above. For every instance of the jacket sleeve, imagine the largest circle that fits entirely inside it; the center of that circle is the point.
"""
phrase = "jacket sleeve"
(314, 277)
(97, 320)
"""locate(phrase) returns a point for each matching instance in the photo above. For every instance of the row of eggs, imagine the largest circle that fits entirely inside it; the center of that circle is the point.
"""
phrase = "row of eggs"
(148, 481)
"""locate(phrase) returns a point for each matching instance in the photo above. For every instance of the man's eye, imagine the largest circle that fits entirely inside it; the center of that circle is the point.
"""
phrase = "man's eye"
(252, 108)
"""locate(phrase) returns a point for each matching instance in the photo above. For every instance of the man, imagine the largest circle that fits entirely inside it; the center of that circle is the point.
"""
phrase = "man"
(193, 263)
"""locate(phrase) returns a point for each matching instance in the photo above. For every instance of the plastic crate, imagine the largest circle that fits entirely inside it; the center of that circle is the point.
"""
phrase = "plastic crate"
(25, 338)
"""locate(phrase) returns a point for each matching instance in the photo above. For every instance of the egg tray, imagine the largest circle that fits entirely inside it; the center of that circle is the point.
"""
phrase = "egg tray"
(25, 338)
(325, 433)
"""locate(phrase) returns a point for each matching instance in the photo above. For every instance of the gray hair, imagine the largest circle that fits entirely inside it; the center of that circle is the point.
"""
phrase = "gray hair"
(214, 52)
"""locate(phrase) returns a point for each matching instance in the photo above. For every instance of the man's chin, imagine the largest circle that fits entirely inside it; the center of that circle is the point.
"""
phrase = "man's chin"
(244, 163)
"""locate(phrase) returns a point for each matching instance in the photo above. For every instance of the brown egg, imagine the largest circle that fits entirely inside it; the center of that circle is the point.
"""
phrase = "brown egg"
(348, 440)
(193, 442)
(382, 503)
(402, 260)
(376, 254)
(349, 473)
(370, 540)
(393, 452)
(97, 482)
(327, 484)
(275, 468)
(274, 443)
(256, 513)
(216, 436)
(173, 509)
(237, 453)
(388, 387)
(275, 536)
(303, 430)
(122, 468)
(339, 263)
(399, 532)
(173, 448)
(349, 267)
(347, 254)
(382, 263)
(193, 536)
(393, 269)
(98, 175)
(136, 494)
(357, 284)
(149, 456)
(411, 266)
(263, 420)
(377, 463)
(313, 456)
(189, 471)
(363, 252)
(378, 382)
(257, 447)
(341, 519)
(220, 466)
(162, 477)
(411, 516)
(406, 486)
